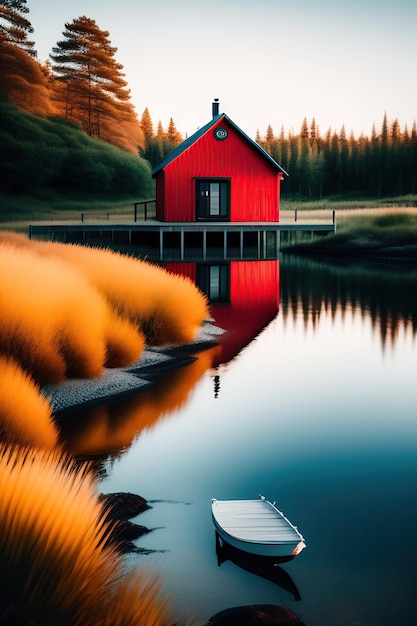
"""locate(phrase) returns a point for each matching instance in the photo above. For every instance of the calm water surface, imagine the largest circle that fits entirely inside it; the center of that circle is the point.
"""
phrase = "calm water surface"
(317, 412)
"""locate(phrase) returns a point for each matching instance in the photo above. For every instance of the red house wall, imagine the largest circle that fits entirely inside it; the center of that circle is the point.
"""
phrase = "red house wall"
(160, 195)
(255, 183)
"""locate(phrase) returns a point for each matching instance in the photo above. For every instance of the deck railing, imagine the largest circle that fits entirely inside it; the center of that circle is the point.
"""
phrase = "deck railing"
(327, 216)
(144, 204)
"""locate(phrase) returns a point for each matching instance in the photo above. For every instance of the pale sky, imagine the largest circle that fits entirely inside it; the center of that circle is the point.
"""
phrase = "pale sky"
(268, 61)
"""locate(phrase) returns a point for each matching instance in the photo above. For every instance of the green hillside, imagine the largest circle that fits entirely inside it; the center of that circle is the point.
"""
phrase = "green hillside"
(40, 154)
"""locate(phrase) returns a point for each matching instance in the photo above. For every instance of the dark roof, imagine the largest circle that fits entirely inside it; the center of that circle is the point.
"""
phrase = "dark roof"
(200, 132)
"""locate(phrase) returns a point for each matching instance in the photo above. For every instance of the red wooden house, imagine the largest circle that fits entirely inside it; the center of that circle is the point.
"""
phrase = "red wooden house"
(218, 174)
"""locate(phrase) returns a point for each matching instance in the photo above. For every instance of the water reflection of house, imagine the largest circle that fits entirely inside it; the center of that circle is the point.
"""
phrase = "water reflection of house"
(244, 298)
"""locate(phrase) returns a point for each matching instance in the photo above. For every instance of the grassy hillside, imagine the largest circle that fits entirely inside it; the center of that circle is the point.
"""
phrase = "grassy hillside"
(384, 233)
(41, 156)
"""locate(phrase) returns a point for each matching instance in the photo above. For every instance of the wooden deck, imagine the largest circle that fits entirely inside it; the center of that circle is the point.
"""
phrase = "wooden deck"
(182, 240)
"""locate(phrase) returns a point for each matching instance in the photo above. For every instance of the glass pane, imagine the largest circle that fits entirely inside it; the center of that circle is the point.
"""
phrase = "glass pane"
(223, 200)
(224, 283)
(214, 282)
(214, 199)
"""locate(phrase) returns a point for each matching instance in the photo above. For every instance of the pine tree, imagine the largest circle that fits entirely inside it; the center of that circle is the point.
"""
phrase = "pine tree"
(14, 27)
(313, 131)
(383, 164)
(384, 129)
(269, 135)
(412, 155)
(160, 139)
(173, 135)
(95, 93)
(147, 126)
(343, 161)
(304, 130)
(22, 80)
(304, 159)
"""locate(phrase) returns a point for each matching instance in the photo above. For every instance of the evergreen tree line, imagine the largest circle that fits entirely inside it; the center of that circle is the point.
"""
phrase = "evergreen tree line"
(158, 144)
(85, 85)
(381, 165)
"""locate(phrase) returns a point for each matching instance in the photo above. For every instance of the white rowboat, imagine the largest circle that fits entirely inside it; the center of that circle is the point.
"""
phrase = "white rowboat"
(256, 527)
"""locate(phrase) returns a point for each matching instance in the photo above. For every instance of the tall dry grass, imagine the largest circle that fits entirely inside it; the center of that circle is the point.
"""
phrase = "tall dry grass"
(389, 221)
(168, 308)
(25, 415)
(124, 341)
(55, 564)
(53, 322)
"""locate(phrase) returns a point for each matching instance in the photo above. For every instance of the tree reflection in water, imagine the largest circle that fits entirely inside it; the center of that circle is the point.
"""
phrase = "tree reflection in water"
(384, 292)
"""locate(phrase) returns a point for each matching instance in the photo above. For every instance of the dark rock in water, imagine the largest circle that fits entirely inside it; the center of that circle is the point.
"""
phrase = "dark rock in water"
(123, 533)
(256, 615)
(124, 530)
(118, 509)
(123, 506)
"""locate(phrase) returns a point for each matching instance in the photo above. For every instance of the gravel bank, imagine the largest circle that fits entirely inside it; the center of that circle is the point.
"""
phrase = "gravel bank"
(113, 383)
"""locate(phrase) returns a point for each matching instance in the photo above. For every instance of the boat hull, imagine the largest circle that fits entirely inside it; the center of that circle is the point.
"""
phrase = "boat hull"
(243, 519)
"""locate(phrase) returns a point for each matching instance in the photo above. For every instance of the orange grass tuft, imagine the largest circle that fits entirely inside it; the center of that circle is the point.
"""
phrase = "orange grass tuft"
(124, 341)
(54, 565)
(167, 307)
(51, 320)
(134, 603)
(25, 415)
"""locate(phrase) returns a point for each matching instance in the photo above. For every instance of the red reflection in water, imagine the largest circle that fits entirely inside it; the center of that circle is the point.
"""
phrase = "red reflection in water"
(253, 301)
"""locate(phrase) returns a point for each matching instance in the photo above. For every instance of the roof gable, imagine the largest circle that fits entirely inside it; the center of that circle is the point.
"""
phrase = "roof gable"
(182, 147)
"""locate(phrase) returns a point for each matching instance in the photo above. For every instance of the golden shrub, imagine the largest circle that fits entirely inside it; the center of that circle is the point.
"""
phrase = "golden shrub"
(25, 415)
(124, 341)
(167, 307)
(52, 321)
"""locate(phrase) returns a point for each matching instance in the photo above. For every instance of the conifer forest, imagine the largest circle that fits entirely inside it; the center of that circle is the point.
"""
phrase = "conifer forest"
(83, 84)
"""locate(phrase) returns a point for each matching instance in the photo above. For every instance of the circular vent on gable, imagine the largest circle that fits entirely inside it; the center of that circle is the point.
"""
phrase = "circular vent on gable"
(220, 133)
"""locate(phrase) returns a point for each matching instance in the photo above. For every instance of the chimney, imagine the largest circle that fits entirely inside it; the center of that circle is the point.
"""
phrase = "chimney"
(215, 107)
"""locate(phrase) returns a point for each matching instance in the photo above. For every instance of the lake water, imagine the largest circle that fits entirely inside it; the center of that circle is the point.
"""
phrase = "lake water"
(311, 401)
